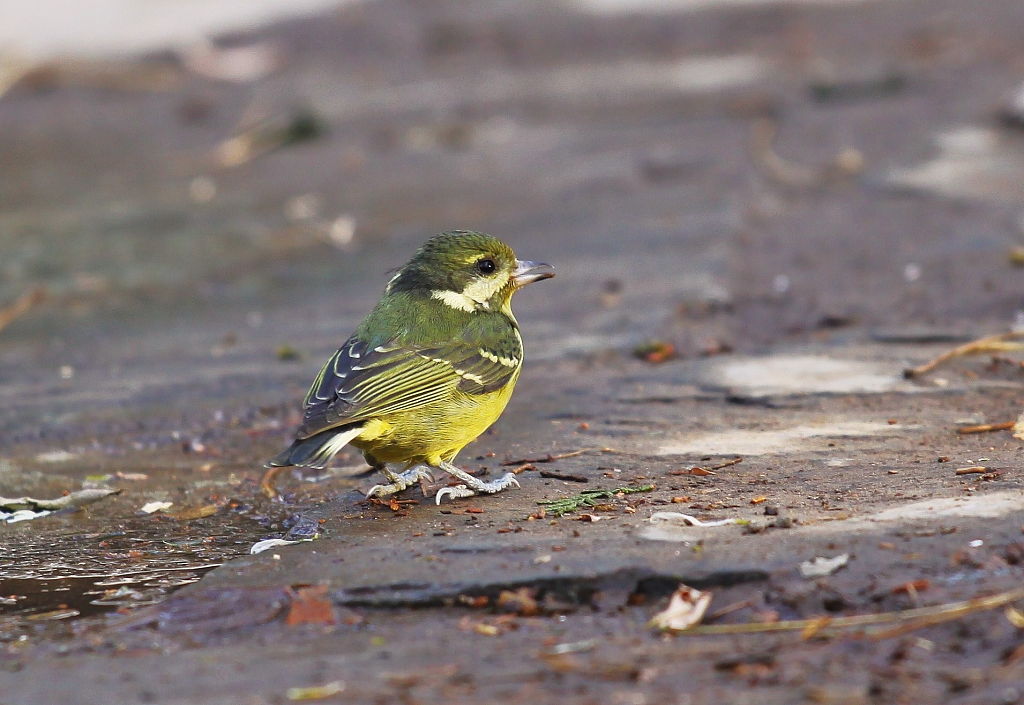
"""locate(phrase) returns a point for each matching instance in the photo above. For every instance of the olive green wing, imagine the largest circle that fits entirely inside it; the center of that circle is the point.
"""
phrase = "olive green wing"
(360, 382)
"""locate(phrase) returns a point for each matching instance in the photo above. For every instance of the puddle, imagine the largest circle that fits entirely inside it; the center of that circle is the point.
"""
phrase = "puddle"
(61, 576)
(785, 440)
(803, 374)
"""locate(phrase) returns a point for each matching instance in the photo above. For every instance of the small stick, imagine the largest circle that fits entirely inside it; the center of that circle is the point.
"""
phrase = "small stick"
(563, 476)
(913, 618)
(986, 427)
(21, 305)
(561, 456)
(268, 483)
(973, 470)
(1002, 342)
(726, 464)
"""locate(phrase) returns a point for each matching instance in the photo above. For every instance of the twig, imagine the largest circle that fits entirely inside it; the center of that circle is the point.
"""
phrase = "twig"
(560, 456)
(1002, 342)
(762, 146)
(563, 476)
(986, 427)
(911, 619)
(973, 470)
(268, 483)
(726, 464)
(22, 305)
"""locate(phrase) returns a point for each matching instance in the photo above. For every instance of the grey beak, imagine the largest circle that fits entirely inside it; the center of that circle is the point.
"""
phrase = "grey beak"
(528, 272)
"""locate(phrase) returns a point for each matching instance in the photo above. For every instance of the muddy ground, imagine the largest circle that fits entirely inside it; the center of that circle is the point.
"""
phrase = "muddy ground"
(802, 200)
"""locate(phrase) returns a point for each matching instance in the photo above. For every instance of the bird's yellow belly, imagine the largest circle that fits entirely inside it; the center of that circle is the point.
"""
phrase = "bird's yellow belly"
(435, 432)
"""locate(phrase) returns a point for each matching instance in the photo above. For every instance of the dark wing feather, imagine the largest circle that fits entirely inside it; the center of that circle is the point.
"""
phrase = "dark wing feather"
(358, 383)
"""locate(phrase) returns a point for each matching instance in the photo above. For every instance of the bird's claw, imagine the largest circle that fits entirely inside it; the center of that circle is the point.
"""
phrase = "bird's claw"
(399, 482)
(458, 491)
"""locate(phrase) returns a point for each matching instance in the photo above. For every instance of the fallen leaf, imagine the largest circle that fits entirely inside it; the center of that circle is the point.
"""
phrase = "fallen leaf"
(315, 692)
(686, 608)
(72, 500)
(261, 546)
(311, 605)
(150, 507)
(199, 512)
(820, 566)
(521, 601)
(759, 499)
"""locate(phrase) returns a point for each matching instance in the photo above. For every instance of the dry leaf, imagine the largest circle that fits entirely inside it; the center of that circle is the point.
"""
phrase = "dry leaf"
(316, 692)
(311, 606)
(685, 609)
(820, 566)
(189, 513)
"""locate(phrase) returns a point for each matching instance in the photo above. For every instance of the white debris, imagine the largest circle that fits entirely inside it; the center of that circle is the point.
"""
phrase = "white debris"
(680, 528)
(685, 609)
(820, 566)
(263, 545)
(150, 507)
(680, 519)
(21, 515)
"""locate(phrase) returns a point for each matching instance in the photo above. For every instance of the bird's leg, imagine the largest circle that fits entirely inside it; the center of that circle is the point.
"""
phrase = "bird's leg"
(398, 481)
(472, 485)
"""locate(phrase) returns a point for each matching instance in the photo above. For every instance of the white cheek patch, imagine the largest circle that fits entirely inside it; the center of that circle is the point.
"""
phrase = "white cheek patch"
(483, 289)
(454, 299)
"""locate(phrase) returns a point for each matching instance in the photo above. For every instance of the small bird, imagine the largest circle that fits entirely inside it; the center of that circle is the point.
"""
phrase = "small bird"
(427, 371)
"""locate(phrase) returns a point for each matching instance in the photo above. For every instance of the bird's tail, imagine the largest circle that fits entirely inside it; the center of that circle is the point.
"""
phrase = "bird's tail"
(316, 451)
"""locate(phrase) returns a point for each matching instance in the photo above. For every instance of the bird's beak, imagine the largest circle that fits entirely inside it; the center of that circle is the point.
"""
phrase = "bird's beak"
(528, 272)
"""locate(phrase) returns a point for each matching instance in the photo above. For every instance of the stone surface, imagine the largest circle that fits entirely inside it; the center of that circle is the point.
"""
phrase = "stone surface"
(189, 304)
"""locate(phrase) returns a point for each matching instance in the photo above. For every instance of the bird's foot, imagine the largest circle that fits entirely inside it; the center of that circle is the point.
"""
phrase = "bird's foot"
(472, 485)
(400, 481)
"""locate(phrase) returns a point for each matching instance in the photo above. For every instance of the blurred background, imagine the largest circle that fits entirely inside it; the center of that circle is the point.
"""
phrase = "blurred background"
(237, 177)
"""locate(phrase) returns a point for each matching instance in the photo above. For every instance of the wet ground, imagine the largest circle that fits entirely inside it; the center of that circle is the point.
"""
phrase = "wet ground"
(801, 200)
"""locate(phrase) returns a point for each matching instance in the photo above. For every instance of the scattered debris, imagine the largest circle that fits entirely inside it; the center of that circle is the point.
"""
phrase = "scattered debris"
(685, 609)
(237, 64)
(316, 692)
(820, 566)
(261, 546)
(656, 351)
(21, 305)
(286, 353)
(1018, 428)
(587, 498)
(268, 136)
(1001, 343)
(833, 91)
(845, 164)
(522, 601)
(151, 507)
(24, 508)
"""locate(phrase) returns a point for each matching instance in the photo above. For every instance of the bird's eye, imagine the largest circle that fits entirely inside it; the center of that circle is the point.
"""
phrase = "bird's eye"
(486, 266)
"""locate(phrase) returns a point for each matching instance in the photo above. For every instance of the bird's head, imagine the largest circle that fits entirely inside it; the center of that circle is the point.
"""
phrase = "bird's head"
(468, 270)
